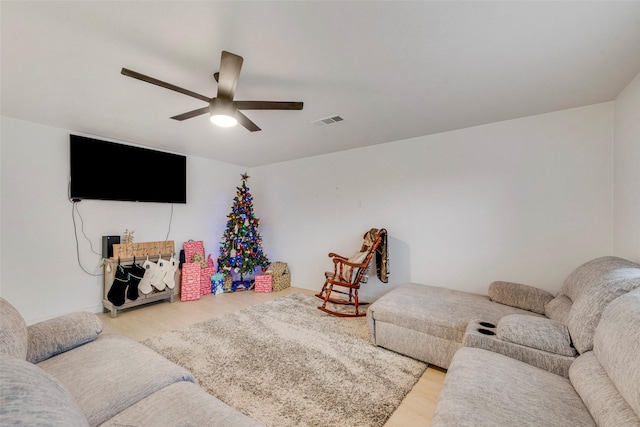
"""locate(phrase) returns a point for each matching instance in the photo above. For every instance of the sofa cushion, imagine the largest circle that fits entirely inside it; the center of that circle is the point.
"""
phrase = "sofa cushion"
(558, 308)
(13, 331)
(483, 388)
(181, 404)
(536, 332)
(31, 397)
(617, 346)
(600, 395)
(591, 287)
(519, 295)
(591, 274)
(61, 334)
(117, 372)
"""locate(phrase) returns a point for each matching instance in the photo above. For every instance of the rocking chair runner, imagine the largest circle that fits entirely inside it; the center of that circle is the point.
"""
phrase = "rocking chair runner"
(349, 273)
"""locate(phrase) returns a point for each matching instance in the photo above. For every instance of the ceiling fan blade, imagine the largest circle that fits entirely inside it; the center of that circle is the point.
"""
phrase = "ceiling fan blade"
(268, 105)
(248, 124)
(165, 85)
(190, 114)
(230, 66)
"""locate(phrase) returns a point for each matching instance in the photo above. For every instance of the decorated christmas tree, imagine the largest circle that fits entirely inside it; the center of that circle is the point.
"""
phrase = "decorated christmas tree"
(241, 247)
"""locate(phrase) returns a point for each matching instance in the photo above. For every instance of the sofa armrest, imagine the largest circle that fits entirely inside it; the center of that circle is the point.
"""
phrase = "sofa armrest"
(520, 296)
(480, 336)
(536, 332)
(60, 334)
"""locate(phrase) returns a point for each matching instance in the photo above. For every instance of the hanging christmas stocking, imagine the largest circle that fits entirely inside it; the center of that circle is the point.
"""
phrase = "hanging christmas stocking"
(161, 271)
(150, 269)
(118, 287)
(170, 277)
(135, 276)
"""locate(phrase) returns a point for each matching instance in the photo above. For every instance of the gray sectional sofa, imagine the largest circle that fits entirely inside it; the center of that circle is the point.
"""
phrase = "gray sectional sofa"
(64, 372)
(487, 389)
(523, 322)
(521, 356)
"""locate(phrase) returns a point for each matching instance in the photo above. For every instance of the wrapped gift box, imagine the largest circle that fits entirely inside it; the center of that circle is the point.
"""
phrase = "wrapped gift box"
(205, 280)
(190, 285)
(217, 283)
(263, 283)
(191, 248)
(281, 275)
(241, 285)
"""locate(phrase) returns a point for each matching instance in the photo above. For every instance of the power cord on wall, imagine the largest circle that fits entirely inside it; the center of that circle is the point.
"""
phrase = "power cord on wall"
(170, 221)
(74, 209)
(75, 204)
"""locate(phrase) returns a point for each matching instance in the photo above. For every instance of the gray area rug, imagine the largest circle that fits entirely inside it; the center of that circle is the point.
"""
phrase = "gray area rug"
(286, 363)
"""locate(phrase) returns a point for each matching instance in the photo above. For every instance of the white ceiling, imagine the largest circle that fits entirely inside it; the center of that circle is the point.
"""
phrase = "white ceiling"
(393, 69)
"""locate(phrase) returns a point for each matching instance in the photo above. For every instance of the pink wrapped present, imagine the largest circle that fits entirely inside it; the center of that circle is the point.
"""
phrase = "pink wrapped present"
(190, 284)
(263, 283)
(205, 280)
(193, 247)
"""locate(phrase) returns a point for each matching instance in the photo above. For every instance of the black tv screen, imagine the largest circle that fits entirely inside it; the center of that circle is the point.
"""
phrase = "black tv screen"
(104, 170)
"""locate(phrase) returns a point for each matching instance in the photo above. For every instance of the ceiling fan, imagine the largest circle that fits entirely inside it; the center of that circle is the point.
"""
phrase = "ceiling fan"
(223, 108)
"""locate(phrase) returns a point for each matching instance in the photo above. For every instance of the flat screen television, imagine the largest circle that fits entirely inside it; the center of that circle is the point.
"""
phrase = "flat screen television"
(102, 170)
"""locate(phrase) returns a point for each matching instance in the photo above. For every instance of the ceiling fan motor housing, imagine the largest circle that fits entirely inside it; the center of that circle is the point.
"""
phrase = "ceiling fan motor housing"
(223, 112)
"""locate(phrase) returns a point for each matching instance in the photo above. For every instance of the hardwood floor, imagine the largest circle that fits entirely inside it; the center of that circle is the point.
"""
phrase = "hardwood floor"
(140, 323)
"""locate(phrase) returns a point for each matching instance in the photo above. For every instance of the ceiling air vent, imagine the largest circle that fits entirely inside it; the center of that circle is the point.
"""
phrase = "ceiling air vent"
(328, 120)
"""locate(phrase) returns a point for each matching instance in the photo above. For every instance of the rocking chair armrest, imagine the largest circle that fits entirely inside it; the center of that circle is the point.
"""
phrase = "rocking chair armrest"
(350, 264)
(334, 255)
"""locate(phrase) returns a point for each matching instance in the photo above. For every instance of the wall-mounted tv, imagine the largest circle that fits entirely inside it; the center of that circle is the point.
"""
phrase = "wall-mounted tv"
(104, 170)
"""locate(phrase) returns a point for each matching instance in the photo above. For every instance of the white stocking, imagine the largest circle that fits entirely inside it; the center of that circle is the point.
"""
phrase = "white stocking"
(170, 278)
(157, 280)
(150, 269)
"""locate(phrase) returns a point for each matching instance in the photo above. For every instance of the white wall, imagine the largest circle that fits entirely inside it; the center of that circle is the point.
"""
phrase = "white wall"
(40, 274)
(524, 200)
(627, 172)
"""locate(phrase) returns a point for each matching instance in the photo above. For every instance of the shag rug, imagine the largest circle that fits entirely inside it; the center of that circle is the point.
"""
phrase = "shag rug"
(286, 363)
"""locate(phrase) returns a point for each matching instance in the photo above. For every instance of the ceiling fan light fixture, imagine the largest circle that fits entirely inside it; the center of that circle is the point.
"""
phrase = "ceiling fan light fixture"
(223, 120)
(223, 113)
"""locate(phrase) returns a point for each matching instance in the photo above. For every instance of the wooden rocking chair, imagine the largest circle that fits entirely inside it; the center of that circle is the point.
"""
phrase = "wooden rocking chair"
(349, 273)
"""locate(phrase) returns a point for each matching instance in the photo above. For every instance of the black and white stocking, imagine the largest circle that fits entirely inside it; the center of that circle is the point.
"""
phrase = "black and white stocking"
(118, 289)
(135, 276)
